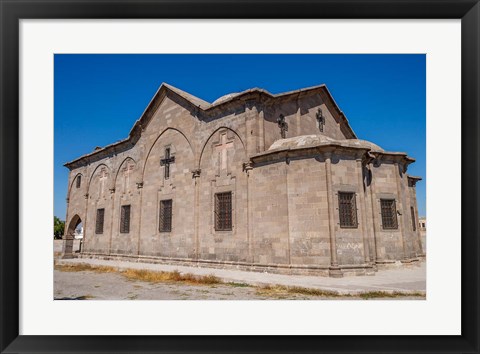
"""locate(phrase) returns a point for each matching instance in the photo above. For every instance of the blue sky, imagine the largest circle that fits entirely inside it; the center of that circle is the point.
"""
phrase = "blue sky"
(98, 98)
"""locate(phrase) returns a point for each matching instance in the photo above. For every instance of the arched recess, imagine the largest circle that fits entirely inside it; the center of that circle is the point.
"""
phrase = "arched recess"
(93, 174)
(69, 235)
(177, 186)
(155, 142)
(125, 161)
(210, 138)
(73, 182)
(221, 164)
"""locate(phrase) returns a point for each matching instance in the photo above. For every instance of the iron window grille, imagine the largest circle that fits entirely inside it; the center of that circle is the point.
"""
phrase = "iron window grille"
(79, 181)
(414, 224)
(389, 213)
(99, 221)
(125, 219)
(165, 224)
(223, 211)
(347, 207)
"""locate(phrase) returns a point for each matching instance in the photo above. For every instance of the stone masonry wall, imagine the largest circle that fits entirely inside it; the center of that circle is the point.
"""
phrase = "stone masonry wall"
(301, 118)
(350, 244)
(270, 214)
(221, 165)
(179, 187)
(384, 186)
(308, 211)
(280, 207)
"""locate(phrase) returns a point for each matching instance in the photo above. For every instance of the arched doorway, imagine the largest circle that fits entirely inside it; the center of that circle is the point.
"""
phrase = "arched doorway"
(69, 238)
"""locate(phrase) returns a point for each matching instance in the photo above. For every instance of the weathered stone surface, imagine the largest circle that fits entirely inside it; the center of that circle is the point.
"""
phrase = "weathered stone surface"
(281, 217)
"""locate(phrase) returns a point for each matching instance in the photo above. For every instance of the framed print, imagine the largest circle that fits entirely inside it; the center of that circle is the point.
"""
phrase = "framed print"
(68, 68)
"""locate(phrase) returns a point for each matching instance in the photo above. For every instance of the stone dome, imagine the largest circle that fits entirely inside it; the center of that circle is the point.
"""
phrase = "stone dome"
(363, 144)
(301, 141)
(225, 97)
(318, 140)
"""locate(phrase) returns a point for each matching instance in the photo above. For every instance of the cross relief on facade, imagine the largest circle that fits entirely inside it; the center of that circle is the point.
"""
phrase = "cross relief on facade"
(127, 171)
(103, 178)
(198, 209)
(222, 150)
(166, 163)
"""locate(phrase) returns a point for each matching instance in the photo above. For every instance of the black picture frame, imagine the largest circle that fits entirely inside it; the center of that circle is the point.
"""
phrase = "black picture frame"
(12, 11)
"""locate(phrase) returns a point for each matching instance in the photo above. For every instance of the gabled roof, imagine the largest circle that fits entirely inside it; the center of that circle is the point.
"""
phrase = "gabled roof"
(189, 97)
(203, 106)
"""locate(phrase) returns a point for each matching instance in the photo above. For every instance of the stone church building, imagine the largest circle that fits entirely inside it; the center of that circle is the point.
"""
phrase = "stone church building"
(254, 180)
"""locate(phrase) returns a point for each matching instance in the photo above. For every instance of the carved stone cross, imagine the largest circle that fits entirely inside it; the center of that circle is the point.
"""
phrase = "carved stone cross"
(103, 178)
(166, 162)
(320, 119)
(222, 150)
(282, 125)
(127, 171)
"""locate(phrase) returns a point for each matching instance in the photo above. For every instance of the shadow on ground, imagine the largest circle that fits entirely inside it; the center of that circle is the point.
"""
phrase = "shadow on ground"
(74, 298)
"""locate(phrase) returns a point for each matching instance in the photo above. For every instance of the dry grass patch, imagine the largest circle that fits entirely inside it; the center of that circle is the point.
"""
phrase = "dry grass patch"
(238, 285)
(384, 294)
(86, 297)
(163, 277)
(277, 291)
(142, 274)
(82, 267)
(281, 290)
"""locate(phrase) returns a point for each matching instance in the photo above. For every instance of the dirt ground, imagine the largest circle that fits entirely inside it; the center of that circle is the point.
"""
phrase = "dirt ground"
(90, 285)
